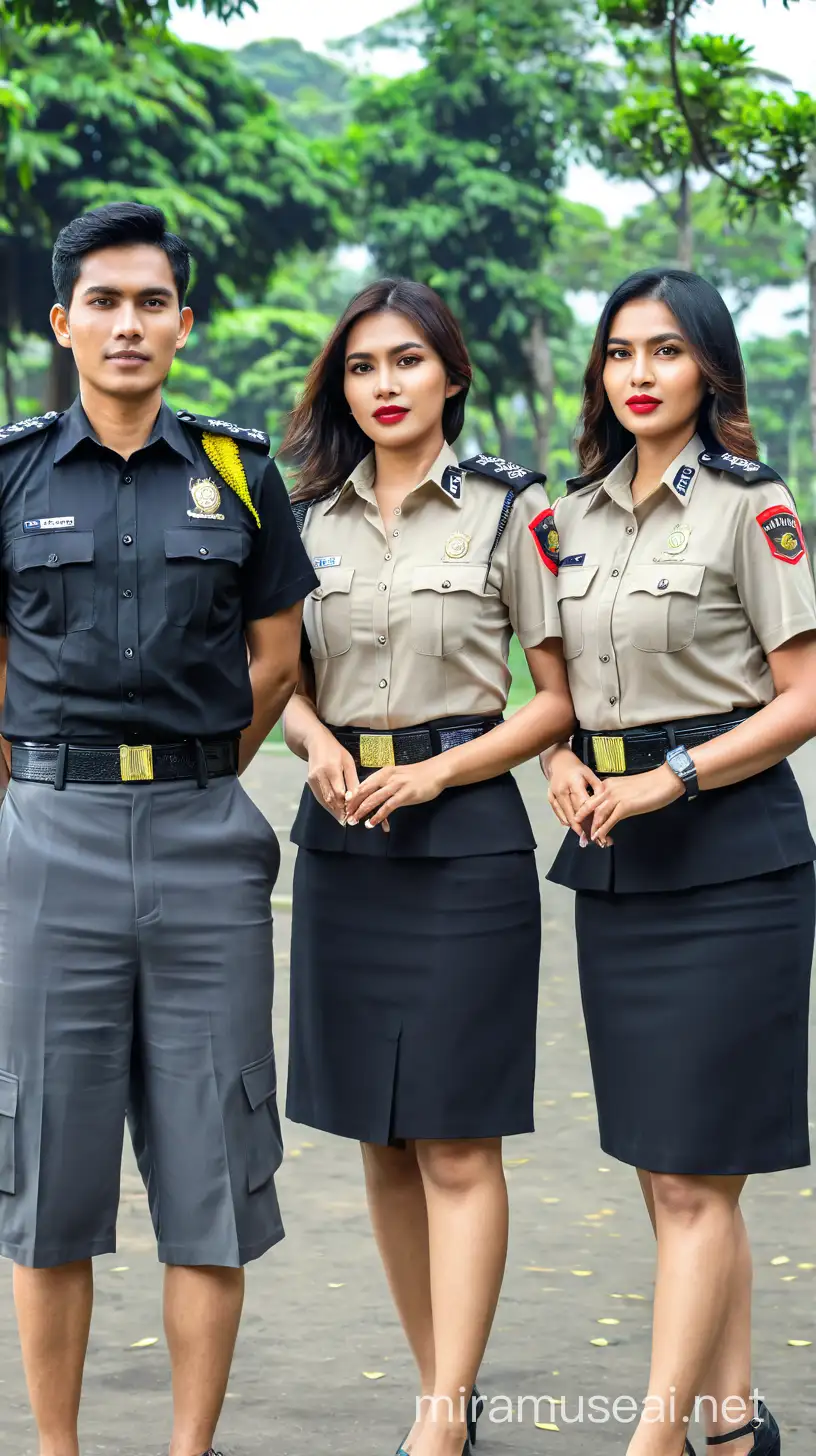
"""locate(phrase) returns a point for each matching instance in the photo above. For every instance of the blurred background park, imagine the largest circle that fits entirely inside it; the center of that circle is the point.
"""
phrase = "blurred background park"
(520, 155)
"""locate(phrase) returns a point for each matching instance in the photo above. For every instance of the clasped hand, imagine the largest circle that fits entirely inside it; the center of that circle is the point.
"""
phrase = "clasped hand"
(592, 806)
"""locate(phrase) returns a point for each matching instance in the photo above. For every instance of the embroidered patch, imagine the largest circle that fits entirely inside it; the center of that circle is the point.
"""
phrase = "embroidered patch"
(683, 479)
(545, 536)
(318, 562)
(452, 483)
(49, 523)
(572, 560)
(785, 536)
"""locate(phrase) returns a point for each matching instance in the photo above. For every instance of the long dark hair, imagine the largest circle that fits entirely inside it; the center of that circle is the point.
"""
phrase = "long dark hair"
(700, 311)
(323, 439)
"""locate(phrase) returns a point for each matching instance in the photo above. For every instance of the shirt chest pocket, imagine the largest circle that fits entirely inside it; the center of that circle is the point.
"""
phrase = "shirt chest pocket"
(327, 613)
(445, 604)
(52, 588)
(662, 603)
(202, 577)
(571, 588)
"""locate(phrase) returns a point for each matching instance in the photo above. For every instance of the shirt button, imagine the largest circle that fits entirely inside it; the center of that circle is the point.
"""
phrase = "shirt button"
(53, 559)
(398, 510)
(127, 479)
(383, 683)
(128, 652)
(131, 696)
(605, 657)
(613, 701)
(395, 533)
(630, 530)
(127, 592)
(382, 641)
(616, 572)
(381, 586)
(203, 551)
(388, 555)
(445, 585)
(127, 540)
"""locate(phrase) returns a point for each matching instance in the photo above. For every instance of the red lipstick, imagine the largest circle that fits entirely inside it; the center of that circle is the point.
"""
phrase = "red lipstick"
(390, 414)
(643, 404)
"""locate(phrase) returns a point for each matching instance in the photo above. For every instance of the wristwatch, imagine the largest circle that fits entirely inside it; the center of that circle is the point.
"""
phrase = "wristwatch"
(681, 762)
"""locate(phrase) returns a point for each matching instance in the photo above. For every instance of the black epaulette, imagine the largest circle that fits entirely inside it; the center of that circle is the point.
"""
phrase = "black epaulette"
(750, 472)
(258, 438)
(514, 477)
(33, 426)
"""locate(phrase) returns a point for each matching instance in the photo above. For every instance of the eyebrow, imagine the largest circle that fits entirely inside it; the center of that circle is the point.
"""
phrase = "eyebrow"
(160, 291)
(411, 344)
(656, 339)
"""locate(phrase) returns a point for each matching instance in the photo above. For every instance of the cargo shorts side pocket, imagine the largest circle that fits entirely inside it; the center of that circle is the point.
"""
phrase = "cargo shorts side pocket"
(9, 1087)
(264, 1142)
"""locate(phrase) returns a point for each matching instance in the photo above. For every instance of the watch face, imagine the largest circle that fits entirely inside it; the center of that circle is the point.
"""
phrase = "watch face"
(680, 759)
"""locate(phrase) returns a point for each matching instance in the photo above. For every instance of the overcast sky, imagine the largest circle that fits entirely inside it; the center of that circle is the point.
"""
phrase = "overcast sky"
(784, 42)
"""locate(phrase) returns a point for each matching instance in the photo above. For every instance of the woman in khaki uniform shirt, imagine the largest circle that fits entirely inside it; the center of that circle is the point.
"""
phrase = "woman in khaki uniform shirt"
(688, 616)
(416, 915)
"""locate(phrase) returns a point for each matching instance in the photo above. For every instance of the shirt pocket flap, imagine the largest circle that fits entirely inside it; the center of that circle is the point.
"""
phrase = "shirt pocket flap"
(659, 580)
(333, 579)
(260, 1081)
(446, 578)
(222, 545)
(574, 581)
(8, 1094)
(62, 548)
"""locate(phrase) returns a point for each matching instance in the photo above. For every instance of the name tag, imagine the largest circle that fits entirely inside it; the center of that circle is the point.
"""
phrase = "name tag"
(49, 523)
(320, 561)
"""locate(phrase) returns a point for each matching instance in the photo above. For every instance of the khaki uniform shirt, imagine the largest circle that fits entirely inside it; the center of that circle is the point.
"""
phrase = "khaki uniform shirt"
(669, 608)
(408, 626)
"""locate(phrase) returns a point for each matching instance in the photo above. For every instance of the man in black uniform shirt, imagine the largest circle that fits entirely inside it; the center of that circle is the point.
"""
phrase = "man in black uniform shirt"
(152, 581)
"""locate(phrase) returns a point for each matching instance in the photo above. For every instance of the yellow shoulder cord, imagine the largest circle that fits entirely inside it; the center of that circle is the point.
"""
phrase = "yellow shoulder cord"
(223, 451)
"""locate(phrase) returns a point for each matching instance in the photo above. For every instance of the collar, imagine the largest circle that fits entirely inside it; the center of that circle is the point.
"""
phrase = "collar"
(75, 427)
(444, 473)
(679, 477)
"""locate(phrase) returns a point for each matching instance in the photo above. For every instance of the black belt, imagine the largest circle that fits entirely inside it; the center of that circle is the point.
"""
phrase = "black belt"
(636, 750)
(372, 749)
(65, 763)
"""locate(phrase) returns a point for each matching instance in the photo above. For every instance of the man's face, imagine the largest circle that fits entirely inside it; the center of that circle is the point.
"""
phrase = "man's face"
(123, 323)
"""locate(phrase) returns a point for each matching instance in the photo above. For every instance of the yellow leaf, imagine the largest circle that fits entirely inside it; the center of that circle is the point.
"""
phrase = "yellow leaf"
(806, 1266)
(636, 1296)
(604, 1170)
(608, 1321)
(551, 1200)
(581, 1273)
(515, 1162)
(599, 1342)
(337, 1286)
(805, 1192)
(538, 1269)
(374, 1374)
(143, 1344)
(800, 1344)
(579, 1094)
(592, 1217)
(788, 1278)
(307, 1145)
(608, 1212)
(120, 1269)
(294, 1153)
(780, 1259)
(545, 1426)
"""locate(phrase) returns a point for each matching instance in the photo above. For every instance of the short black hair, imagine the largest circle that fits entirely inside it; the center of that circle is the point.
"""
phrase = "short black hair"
(117, 225)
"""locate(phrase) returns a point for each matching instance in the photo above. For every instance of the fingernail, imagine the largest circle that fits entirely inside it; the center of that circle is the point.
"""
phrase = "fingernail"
(583, 841)
(352, 821)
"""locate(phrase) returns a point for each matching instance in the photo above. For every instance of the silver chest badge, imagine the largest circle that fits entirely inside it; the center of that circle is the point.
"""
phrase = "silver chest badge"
(676, 544)
(457, 546)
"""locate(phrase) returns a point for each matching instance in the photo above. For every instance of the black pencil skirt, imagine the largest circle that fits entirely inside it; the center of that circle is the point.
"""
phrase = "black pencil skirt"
(414, 986)
(696, 1006)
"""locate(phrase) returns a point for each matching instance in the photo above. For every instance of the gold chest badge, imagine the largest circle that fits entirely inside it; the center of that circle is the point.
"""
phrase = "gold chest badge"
(676, 544)
(206, 496)
(457, 546)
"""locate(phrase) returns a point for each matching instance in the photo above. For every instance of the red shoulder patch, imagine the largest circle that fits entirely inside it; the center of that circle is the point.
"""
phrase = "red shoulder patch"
(545, 536)
(784, 533)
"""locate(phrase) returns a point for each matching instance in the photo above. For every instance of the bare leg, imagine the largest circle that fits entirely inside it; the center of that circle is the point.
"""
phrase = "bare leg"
(697, 1255)
(399, 1218)
(727, 1385)
(54, 1318)
(466, 1196)
(202, 1311)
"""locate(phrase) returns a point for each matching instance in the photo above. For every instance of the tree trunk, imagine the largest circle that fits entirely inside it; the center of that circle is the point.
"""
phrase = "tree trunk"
(539, 357)
(502, 432)
(62, 379)
(811, 276)
(685, 226)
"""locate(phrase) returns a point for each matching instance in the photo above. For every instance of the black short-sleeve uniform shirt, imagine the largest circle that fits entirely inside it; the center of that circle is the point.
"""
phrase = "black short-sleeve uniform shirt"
(127, 584)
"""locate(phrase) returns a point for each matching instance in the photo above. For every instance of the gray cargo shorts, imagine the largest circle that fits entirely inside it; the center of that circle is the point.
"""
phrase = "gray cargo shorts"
(136, 978)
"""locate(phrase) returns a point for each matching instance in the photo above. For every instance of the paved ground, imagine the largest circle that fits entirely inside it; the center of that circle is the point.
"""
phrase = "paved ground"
(319, 1327)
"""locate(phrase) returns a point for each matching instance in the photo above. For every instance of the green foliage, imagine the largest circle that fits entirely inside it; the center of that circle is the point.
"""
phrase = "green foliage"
(313, 92)
(778, 377)
(113, 18)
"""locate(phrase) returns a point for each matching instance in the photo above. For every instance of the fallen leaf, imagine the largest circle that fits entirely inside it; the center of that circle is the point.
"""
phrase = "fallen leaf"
(515, 1162)
(579, 1094)
(805, 1192)
(599, 1342)
(337, 1286)
(581, 1273)
(636, 1296)
(374, 1374)
(295, 1153)
(143, 1344)
(593, 1217)
(551, 1200)
(806, 1266)
(307, 1145)
(609, 1212)
(120, 1269)
(800, 1344)
(538, 1269)
(608, 1321)
(788, 1278)
(604, 1170)
(780, 1259)
(545, 1426)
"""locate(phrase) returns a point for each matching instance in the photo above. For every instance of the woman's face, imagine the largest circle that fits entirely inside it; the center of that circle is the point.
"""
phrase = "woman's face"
(651, 378)
(395, 382)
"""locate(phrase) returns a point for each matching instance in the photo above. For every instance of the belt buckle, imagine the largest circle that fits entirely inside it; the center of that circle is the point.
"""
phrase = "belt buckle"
(135, 762)
(609, 754)
(377, 750)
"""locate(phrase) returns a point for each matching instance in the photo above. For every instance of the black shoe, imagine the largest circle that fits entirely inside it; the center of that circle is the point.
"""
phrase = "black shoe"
(476, 1405)
(688, 1449)
(765, 1431)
